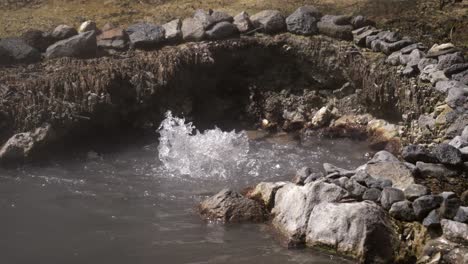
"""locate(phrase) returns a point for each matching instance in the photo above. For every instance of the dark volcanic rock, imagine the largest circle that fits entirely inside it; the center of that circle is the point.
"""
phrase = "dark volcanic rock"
(415, 153)
(269, 21)
(17, 51)
(81, 46)
(229, 206)
(424, 204)
(222, 30)
(144, 35)
(402, 210)
(447, 154)
(303, 21)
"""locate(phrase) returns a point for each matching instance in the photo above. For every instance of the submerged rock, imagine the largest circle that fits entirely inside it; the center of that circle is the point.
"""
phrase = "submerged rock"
(361, 230)
(229, 206)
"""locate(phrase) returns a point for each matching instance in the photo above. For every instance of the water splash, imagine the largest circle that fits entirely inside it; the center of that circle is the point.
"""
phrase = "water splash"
(213, 153)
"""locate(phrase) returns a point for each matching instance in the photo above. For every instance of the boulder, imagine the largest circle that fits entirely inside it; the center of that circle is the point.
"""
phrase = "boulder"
(87, 26)
(455, 69)
(229, 206)
(360, 230)
(269, 21)
(83, 45)
(414, 191)
(21, 146)
(456, 96)
(438, 50)
(222, 30)
(372, 194)
(415, 153)
(242, 22)
(462, 215)
(113, 39)
(173, 30)
(455, 231)
(336, 27)
(192, 30)
(62, 32)
(403, 210)
(431, 170)
(390, 196)
(424, 62)
(322, 117)
(360, 22)
(293, 205)
(37, 39)
(15, 50)
(397, 172)
(425, 204)
(303, 21)
(447, 154)
(448, 60)
(204, 18)
(145, 35)
(432, 220)
(265, 192)
(458, 142)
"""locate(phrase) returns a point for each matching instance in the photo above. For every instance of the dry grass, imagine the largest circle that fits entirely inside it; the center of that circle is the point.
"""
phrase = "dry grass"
(421, 18)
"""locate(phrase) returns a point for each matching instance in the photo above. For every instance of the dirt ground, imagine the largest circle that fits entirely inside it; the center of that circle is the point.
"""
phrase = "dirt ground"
(421, 19)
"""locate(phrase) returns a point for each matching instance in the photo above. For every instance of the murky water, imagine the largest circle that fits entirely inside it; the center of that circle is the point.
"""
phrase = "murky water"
(129, 207)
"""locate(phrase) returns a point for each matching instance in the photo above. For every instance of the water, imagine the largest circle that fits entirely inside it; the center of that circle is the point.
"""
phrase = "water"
(130, 207)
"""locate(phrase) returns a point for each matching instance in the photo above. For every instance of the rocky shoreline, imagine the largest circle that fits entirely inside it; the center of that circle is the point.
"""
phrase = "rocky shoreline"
(336, 75)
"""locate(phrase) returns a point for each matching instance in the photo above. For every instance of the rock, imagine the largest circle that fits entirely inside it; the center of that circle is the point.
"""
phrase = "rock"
(391, 196)
(341, 182)
(270, 21)
(83, 45)
(229, 206)
(222, 30)
(17, 51)
(395, 59)
(242, 22)
(302, 175)
(397, 172)
(403, 211)
(410, 48)
(456, 96)
(113, 39)
(464, 134)
(372, 194)
(62, 32)
(415, 153)
(218, 17)
(361, 230)
(462, 215)
(432, 220)
(449, 207)
(447, 154)
(425, 204)
(293, 205)
(431, 74)
(464, 198)
(438, 50)
(360, 21)
(383, 156)
(265, 192)
(87, 26)
(360, 36)
(173, 30)
(37, 39)
(336, 27)
(389, 36)
(192, 30)
(355, 189)
(108, 26)
(23, 145)
(424, 62)
(204, 18)
(431, 170)
(455, 231)
(458, 142)
(332, 169)
(461, 77)
(414, 58)
(445, 86)
(145, 35)
(455, 69)
(314, 177)
(322, 117)
(388, 48)
(303, 21)
(445, 61)
(415, 191)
